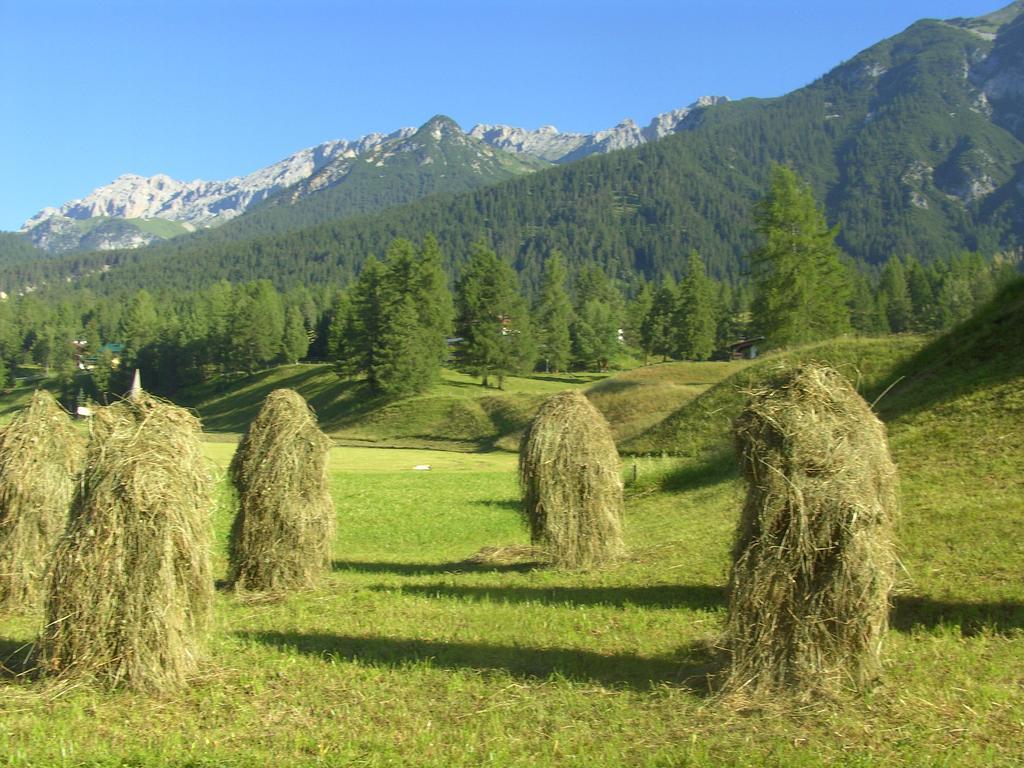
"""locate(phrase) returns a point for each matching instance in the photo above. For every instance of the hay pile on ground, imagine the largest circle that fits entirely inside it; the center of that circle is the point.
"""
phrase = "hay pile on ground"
(572, 489)
(284, 530)
(41, 455)
(814, 557)
(131, 586)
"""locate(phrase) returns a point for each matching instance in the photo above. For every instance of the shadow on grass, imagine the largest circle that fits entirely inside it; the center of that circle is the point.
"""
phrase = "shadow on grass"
(511, 505)
(690, 476)
(971, 618)
(690, 666)
(614, 386)
(695, 597)
(430, 569)
(15, 658)
(582, 378)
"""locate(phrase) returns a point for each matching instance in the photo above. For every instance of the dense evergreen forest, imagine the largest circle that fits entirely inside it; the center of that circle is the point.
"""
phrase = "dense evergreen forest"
(898, 176)
(392, 327)
(898, 143)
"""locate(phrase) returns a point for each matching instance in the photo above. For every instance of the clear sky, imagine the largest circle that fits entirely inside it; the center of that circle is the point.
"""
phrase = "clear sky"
(211, 89)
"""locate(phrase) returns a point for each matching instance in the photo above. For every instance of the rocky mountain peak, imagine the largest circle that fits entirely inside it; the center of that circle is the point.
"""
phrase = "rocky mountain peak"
(198, 203)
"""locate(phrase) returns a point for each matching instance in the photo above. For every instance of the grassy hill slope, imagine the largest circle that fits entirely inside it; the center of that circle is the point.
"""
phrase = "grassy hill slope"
(457, 412)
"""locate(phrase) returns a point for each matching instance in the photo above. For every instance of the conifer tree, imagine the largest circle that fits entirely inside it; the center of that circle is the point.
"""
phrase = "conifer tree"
(415, 317)
(434, 299)
(867, 314)
(895, 295)
(360, 338)
(337, 325)
(295, 340)
(553, 316)
(656, 327)
(256, 325)
(492, 319)
(922, 297)
(139, 325)
(598, 319)
(636, 312)
(801, 287)
(694, 316)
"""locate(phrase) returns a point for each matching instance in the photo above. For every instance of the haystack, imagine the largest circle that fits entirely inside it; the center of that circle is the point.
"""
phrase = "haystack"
(572, 489)
(131, 585)
(41, 455)
(283, 533)
(814, 558)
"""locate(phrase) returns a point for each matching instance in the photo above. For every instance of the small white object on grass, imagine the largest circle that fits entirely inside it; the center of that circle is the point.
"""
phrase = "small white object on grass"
(422, 466)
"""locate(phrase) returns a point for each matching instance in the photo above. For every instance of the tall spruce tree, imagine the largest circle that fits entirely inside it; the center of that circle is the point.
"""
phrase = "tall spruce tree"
(359, 341)
(415, 317)
(553, 316)
(492, 320)
(694, 316)
(655, 332)
(598, 319)
(801, 287)
(337, 322)
(895, 295)
(636, 312)
(295, 339)
(434, 300)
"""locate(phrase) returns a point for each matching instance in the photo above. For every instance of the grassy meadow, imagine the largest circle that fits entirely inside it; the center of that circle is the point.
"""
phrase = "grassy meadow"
(425, 646)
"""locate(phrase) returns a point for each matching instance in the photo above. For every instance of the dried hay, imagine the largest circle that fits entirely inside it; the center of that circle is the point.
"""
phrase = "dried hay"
(130, 590)
(284, 530)
(510, 554)
(814, 557)
(41, 454)
(572, 490)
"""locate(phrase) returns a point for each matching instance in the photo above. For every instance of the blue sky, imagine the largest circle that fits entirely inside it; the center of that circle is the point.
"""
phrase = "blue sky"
(216, 88)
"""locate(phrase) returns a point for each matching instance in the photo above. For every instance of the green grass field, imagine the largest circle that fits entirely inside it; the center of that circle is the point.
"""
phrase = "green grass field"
(412, 653)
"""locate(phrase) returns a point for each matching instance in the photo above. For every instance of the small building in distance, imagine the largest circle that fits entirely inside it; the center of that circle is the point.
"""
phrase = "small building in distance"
(744, 349)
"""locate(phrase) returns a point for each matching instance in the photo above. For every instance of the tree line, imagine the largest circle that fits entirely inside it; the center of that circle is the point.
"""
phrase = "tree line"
(402, 318)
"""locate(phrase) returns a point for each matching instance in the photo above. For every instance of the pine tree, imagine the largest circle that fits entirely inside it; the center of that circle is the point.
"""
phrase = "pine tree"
(139, 326)
(337, 323)
(895, 296)
(867, 315)
(922, 297)
(636, 312)
(256, 325)
(492, 319)
(655, 331)
(434, 300)
(598, 319)
(295, 340)
(801, 287)
(694, 315)
(415, 315)
(360, 339)
(553, 316)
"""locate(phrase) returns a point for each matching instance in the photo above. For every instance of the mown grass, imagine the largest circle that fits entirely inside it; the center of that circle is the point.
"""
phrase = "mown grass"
(458, 412)
(410, 653)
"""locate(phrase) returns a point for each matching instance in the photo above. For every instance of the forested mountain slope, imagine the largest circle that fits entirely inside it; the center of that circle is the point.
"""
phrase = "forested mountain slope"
(912, 145)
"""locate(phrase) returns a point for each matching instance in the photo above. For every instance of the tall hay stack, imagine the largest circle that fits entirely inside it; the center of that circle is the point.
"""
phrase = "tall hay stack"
(283, 533)
(571, 483)
(41, 455)
(131, 586)
(814, 557)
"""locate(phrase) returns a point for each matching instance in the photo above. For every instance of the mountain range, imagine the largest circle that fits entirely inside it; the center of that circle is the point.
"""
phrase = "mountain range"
(913, 146)
(375, 171)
